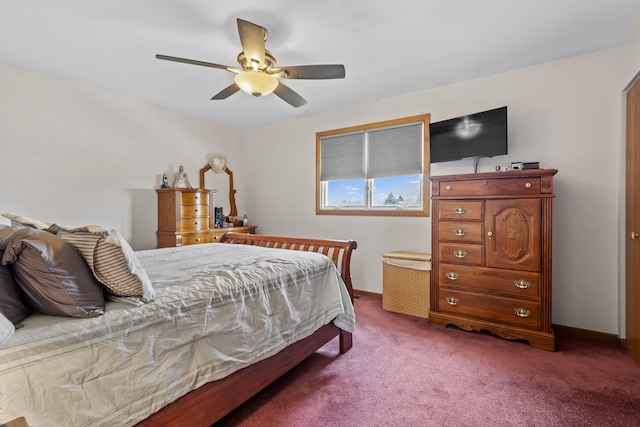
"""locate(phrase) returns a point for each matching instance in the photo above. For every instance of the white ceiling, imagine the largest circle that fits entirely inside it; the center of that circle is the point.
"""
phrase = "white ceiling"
(388, 48)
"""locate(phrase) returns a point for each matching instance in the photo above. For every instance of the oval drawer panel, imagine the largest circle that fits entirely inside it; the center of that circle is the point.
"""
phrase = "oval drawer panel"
(460, 209)
(519, 284)
(461, 253)
(523, 313)
(457, 231)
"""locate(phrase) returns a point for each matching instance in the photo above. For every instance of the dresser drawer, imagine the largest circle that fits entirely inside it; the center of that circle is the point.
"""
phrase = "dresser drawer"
(195, 199)
(519, 284)
(192, 239)
(461, 253)
(490, 187)
(216, 234)
(194, 224)
(495, 309)
(461, 209)
(190, 211)
(464, 232)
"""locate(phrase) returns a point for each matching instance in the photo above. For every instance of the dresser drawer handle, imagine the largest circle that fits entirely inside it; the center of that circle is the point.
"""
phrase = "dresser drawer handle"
(452, 275)
(459, 232)
(448, 187)
(528, 185)
(460, 253)
(460, 210)
(522, 312)
(522, 284)
(197, 239)
(452, 301)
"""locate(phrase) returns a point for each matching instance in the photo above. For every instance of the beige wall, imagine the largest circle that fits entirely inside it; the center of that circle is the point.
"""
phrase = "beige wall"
(76, 155)
(630, 55)
(564, 114)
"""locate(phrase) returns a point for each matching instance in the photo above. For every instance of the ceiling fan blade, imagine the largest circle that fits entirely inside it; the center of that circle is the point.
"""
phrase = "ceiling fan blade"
(252, 38)
(328, 71)
(194, 62)
(226, 92)
(289, 95)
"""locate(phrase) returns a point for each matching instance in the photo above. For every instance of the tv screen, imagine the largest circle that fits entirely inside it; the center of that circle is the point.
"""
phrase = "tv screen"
(476, 135)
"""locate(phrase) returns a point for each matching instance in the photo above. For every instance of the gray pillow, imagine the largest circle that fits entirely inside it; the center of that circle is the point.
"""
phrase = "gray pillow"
(12, 304)
(54, 278)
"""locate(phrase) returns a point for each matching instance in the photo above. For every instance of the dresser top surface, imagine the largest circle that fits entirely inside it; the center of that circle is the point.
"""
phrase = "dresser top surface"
(184, 190)
(495, 175)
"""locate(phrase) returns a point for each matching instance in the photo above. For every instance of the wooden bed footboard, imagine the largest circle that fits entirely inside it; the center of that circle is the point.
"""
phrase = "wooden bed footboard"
(211, 402)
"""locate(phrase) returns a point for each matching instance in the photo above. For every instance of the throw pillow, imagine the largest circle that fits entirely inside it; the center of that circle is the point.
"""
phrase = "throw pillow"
(54, 278)
(19, 220)
(12, 304)
(111, 259)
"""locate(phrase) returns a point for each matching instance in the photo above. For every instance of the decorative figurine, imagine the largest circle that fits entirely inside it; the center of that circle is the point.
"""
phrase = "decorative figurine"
(498, 168)
(165, 181)
(181, 180)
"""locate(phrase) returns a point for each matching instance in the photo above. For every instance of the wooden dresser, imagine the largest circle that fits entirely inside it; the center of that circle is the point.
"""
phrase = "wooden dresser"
(186, 217)
(491, 260)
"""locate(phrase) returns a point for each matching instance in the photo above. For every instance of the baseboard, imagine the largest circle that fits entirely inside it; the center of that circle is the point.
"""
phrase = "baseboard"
(586, 333)
(357, 293)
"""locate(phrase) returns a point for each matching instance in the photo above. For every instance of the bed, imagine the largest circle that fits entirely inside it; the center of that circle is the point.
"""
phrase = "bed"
(174, 361)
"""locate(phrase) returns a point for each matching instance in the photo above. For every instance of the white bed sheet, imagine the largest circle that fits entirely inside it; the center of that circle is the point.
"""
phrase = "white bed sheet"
(218, 309)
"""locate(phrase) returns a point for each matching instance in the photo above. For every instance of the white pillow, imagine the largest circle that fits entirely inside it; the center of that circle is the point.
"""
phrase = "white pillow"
(111, 259)
(19, 220)
(6, 330)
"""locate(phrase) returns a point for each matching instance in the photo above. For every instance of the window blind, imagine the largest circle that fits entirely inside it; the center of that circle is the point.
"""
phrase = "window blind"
(394, 151)
(374, 153)
(342, 157)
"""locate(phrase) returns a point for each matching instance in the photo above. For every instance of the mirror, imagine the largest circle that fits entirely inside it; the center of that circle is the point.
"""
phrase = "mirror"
(218, 165)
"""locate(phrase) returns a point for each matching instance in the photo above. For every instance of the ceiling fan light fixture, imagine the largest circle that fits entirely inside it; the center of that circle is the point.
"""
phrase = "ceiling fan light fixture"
(256, 83)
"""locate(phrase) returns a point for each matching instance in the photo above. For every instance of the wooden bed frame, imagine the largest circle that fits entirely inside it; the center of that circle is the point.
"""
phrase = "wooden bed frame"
(211, 402)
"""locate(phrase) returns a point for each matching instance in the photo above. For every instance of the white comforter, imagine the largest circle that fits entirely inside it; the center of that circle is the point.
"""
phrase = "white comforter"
(218, 309)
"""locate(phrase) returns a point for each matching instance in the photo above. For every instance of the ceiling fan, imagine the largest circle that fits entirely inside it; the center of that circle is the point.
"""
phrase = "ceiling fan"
(258, 73)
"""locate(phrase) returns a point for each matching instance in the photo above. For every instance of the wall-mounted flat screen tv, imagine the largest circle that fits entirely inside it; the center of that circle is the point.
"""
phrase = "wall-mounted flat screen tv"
(482, 134)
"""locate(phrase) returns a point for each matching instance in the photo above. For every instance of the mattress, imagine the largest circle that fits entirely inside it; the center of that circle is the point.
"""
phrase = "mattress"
(218, 308)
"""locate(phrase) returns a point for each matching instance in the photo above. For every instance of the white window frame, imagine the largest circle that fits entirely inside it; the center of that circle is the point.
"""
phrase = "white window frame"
(368, 208)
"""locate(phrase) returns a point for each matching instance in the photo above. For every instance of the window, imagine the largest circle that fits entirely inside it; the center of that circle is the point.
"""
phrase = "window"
(374, 169)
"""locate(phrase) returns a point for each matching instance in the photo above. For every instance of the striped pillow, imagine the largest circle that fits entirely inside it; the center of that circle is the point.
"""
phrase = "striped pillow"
(111, 259)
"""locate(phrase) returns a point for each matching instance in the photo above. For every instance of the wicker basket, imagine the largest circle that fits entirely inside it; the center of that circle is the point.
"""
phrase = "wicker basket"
(405, 283)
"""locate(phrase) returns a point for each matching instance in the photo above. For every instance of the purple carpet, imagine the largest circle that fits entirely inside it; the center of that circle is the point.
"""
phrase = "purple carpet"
(403, 372)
